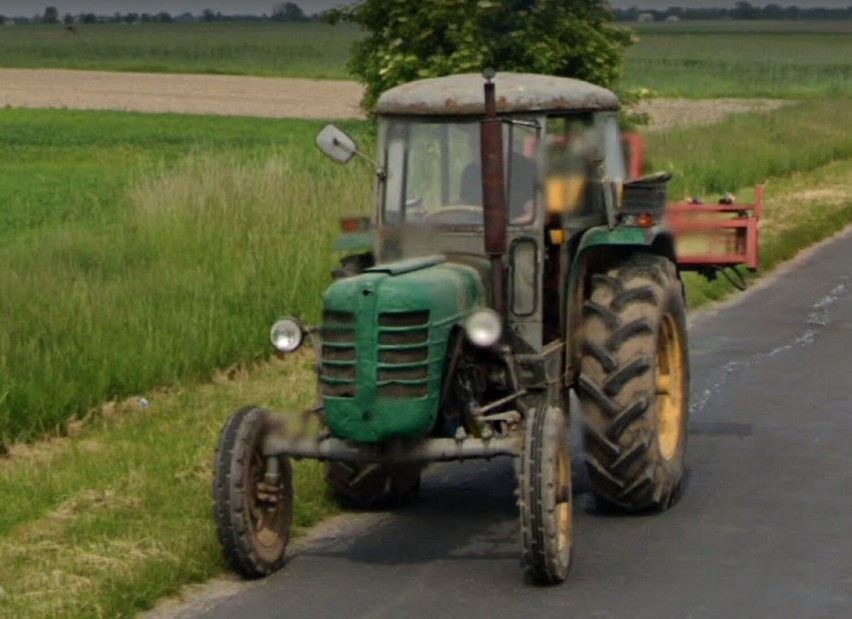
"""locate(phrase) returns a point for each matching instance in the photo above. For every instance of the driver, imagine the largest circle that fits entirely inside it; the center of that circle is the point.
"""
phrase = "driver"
(521, 182)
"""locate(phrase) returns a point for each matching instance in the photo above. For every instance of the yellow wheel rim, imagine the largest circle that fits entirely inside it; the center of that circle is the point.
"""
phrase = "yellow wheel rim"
(669, 388)
(563, 500)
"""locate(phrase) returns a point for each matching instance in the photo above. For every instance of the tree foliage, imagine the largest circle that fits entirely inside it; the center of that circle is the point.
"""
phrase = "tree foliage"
(288, 11)
(412, 39)
(51, 15)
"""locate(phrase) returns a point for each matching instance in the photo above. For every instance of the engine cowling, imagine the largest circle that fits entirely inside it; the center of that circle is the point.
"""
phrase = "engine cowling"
(384, 345)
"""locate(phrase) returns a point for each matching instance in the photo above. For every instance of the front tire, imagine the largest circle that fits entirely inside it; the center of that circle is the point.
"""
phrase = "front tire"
(634, 384)
(252, 510)
(544, 496)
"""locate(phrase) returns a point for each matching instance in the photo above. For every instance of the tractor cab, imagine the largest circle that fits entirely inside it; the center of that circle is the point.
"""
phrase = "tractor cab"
(562, 168)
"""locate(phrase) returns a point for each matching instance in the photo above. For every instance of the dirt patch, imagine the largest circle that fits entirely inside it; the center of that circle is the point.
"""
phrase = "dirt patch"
(186, 94)
(667, 113)
(265, 96)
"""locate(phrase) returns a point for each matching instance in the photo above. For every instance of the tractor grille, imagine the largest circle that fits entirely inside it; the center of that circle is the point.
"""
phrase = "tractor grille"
(403, 354)
(337, 377)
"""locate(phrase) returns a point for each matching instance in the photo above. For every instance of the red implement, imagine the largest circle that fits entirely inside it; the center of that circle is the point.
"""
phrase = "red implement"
(707, 236)
(716, 234)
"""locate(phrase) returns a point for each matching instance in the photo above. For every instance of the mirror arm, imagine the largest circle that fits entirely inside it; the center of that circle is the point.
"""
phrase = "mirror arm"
(380, 172)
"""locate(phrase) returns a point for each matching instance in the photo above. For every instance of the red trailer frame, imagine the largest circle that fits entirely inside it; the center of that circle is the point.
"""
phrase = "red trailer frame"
(728, 232)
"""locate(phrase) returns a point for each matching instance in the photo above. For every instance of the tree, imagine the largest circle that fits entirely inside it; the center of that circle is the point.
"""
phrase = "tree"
(288, 11)
(744, 10)
(68, 19)
(411, 39)
(51, 15)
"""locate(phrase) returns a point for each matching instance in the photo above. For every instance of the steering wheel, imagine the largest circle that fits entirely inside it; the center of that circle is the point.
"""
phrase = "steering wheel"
(459, 214)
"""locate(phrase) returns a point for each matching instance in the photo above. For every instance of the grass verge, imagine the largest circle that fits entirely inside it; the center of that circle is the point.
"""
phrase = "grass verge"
(103, 524)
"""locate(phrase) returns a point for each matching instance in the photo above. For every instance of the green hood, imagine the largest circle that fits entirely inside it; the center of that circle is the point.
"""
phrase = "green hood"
(385, 336)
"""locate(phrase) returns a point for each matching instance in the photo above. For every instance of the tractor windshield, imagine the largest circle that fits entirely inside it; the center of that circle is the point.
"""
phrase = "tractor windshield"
(434, 173)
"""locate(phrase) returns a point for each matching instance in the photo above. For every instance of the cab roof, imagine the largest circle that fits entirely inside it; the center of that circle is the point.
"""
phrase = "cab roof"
(460, 95)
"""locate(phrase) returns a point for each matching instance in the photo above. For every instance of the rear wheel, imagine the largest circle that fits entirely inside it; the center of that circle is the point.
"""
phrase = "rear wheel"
(372, 486)
(544, 496)
(634, 384)
(252, 505)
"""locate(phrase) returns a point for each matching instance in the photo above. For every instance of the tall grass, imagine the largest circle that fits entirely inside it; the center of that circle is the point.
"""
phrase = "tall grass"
(201, 257)
(269, 48)
(745, 149)
(191, 258)
(743, 59)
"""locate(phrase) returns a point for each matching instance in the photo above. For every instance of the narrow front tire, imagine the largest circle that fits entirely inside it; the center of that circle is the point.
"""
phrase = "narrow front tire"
(544, 496)
(252, 501)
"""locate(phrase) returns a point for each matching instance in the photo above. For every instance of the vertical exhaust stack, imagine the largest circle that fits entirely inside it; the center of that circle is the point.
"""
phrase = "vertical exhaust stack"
(494, 192)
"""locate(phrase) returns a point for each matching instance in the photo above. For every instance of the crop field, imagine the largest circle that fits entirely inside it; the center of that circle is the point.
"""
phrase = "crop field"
(737, 59)
(688, 59)
(147, 254)
(292, 50)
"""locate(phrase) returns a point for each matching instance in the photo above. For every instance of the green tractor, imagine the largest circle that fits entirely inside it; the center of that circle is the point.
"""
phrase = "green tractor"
(508, 261)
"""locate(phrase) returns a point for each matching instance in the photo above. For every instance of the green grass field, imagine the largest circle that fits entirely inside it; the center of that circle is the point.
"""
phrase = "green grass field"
(169, 243)
(796, 60)
(688, 59)
(161, 247)
(292, 50)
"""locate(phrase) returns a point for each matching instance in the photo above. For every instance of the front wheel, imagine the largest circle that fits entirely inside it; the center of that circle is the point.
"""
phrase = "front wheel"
(544, 496)
(634, 384)
(252, 496)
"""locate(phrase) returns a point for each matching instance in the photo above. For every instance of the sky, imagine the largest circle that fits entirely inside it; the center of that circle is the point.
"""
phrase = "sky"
(258, 7)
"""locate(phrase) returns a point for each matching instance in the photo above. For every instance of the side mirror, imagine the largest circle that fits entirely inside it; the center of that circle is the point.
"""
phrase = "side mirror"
(336, 144)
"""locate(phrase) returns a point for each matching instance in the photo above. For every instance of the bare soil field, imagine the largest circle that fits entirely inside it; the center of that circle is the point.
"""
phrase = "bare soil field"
(262, 96)
(667, 113)
(179, 93)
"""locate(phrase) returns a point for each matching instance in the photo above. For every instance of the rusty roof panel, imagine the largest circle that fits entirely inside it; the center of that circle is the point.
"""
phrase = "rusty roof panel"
(459, 95)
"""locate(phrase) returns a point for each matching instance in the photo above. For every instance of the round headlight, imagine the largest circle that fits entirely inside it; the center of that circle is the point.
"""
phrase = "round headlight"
(484, 327)
(286, 335)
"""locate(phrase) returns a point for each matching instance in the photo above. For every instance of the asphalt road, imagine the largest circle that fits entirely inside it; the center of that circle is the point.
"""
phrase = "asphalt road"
(764, 528)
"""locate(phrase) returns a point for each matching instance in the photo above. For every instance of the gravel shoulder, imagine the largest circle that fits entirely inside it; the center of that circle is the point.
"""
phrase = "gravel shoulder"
(273, 97)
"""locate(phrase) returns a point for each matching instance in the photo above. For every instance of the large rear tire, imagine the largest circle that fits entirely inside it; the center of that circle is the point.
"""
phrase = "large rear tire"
(252, 510)
(372, 486)
(634, 384)
(544, 496)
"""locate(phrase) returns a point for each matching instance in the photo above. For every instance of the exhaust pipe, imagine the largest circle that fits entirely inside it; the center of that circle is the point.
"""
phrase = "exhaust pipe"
(494, 193)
